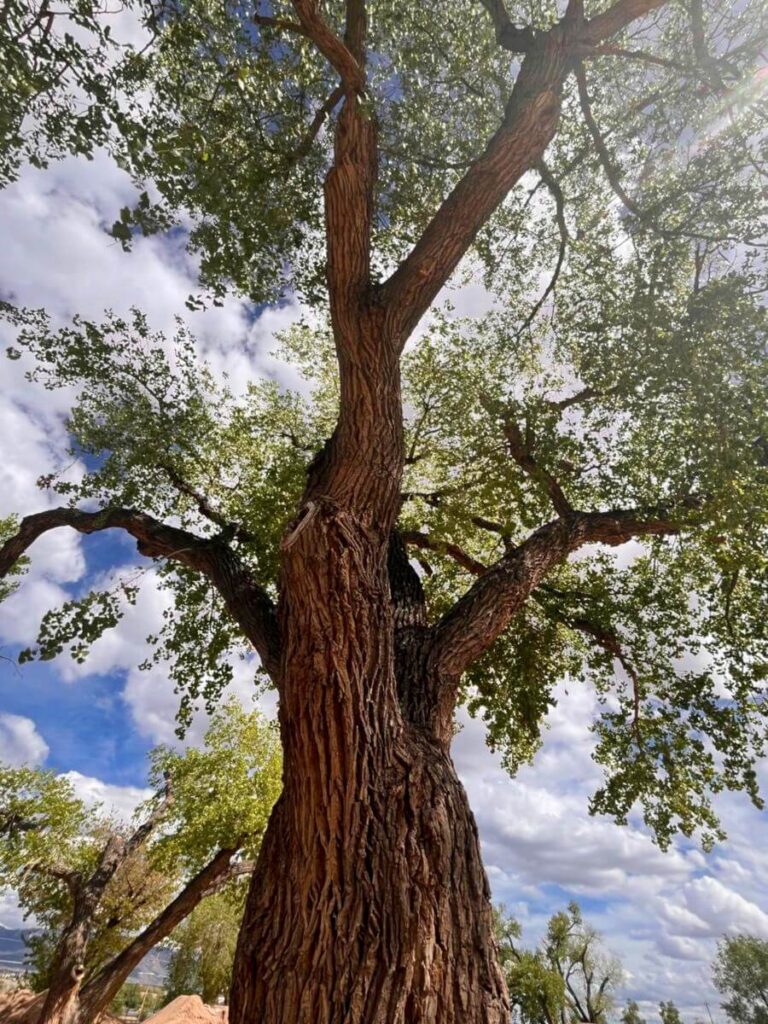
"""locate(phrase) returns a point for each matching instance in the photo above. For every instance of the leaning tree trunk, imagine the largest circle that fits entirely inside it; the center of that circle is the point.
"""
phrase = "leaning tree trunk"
(369, 903)
(61, 1000)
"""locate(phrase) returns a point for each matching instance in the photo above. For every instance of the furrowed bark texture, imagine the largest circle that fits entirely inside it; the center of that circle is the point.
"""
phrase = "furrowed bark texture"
(369, 903)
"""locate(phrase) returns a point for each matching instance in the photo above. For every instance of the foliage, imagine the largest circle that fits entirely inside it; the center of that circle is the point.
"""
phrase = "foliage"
(631, 1014)
(222, 795)
(8, 584)
(568, 979)
(740, 972)
(142, 998)
(204, 948)
(669, 1013)
(641, 381)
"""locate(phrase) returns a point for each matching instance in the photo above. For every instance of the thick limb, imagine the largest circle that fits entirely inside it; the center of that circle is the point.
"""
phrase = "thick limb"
(246, 600)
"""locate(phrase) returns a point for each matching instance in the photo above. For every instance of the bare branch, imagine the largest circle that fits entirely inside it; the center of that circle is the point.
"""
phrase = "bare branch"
(247, 602)
(443, 547)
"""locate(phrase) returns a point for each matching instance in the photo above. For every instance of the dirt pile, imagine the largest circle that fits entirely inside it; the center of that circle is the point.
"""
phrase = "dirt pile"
(23, 1007)
(20, 1007)
(189, 1010)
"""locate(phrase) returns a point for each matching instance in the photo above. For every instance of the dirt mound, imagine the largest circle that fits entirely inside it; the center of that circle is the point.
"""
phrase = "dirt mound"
(23, 1007)
(189, 1010)
(20, 1007)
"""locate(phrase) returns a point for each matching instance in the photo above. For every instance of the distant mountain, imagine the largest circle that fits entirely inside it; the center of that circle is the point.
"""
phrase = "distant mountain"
(12, 948)
(152, 970)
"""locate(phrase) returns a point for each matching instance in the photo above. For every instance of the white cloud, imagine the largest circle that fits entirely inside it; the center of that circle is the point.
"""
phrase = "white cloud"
(117, 801)
(20, 742)
(661, 913)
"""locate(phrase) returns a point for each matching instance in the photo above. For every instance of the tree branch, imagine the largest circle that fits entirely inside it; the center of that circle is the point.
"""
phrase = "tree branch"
(611, 173)
(247, 602)
(442, 547)
(468, 629)
(617, 18)
(281, 24)
(508, 35)
(321, 116)
(204, 506)
(608, 641)
(520, 450)
(557, 194)
(529, 123)
(332, 48)
(101, 989)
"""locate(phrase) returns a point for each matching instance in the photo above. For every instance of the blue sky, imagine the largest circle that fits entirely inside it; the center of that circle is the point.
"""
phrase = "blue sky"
(661, 913)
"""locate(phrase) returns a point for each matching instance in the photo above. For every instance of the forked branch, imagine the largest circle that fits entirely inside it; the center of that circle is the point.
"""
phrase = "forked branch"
(530, 121)
(468, 629)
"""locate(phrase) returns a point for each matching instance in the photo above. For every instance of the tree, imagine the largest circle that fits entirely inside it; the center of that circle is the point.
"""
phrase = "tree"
(436, 526)
(107, 894)
(141, 998)
(204, 948)
(669, 1013)
(568, 979)
(536, 990)
(740, 972)
(631, 1014)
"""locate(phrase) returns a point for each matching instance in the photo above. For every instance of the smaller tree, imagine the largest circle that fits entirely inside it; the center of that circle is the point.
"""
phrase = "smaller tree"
(669, 1013)
(536, 990)
(568, 979)
(107, 894)
(631, 1014)
(204, 947)
(740, 972)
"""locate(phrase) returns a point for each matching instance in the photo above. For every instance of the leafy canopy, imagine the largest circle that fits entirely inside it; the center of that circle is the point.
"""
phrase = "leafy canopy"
(620, 357)
(222, 795)
(568, 979)
(740, 972)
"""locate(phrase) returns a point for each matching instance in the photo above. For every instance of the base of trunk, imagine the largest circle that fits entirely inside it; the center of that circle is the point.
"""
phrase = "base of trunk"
(378, 914)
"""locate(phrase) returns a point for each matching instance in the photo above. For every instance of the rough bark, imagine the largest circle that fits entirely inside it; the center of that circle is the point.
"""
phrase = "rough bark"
(369, 904)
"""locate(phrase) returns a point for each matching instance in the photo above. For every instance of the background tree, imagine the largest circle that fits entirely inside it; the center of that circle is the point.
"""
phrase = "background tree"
(106, 894)
(631, 1014)
(536, 990)
(740, 972)
(568, 979)
(204, 948)
(669, 1013)
(435, 526)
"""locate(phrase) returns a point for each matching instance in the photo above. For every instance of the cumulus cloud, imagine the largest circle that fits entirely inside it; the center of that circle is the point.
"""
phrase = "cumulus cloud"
(661, 913)
(20, 742)
(117, 801)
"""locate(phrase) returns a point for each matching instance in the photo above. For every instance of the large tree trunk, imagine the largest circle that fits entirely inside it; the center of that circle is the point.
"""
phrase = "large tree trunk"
(380, 916)
(369, 904)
